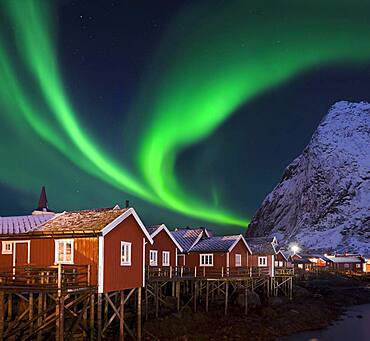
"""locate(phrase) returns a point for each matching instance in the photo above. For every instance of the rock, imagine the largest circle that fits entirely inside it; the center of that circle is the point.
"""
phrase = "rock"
(275, 300)
(300, 291)
(253, 299)
(323, 199)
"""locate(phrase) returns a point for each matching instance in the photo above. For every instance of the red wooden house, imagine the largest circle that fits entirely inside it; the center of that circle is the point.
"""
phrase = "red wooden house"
(281, 259)
(187, 238)
(219, 255)
(263, 253)
(165, 248)
(111, 241)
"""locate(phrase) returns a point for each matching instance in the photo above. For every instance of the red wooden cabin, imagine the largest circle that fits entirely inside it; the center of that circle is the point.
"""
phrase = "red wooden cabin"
(187, 238)
(263, 253)
(165, 248)
(220, 255)
(110, 241)
(281, 260)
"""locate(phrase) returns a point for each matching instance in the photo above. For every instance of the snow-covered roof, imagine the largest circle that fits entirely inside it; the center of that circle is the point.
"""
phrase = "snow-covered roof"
(262, 245)
(344, 259)
(187, 237)
(216, 244)
(22, 224)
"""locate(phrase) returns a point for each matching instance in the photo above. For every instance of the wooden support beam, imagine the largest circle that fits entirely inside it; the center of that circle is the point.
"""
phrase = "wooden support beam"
(121, 315)
(246, 300)
(178, 291)
(10, 307)
(226, 296)
(2, 310)
(207, 295)
(30, 311)
(156, 298)
(40, 315)
(195, 289)
(146, 302)
(92, 316)
(99, 316)
(138, 333)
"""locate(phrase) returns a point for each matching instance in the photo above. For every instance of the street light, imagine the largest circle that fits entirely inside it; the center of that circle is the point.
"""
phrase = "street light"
(294, 249)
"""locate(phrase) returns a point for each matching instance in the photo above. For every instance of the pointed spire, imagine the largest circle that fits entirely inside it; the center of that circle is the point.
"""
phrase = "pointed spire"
(42, 206)
(43, 201)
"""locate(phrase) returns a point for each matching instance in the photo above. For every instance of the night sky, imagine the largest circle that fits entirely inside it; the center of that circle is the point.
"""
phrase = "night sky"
(189, 109)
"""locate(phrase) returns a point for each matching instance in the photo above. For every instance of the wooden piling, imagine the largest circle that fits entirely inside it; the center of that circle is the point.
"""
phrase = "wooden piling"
(178, 289)
(2, 315)
(226, 296)
(121, 315)
(207, 295)
(92, 317)
(245, 300)
(99, 316)
(138, 334)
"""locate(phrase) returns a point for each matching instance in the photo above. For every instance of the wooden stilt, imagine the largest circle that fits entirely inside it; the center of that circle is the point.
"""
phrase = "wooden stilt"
(146, 303)
(195, 287)
(178, 288)
(99, 316)
(226, 296)
(92, 316)
(1, 315)
(10, 307)
(139, 314)
(246, 300)
(121, 315)
(39, 313)
(156, 300)
(30, 311)
(207, 295)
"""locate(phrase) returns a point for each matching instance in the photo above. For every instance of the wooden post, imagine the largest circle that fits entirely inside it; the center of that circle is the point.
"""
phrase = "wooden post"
(61, 318)
(30, 311)
(92, 316)
(10, 307)
(99, 317)
(121, 315)
(246, 300)
(195, 295)
(195, 271)
(178, 288)
(1, 315)
(156, 300)
(58, 307)
(139, 314)
(226, 296)
(207, 294)
(39, 313)
(146, 302)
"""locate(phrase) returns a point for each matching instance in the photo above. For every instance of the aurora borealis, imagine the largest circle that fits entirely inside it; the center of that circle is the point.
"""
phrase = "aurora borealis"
(206, 65)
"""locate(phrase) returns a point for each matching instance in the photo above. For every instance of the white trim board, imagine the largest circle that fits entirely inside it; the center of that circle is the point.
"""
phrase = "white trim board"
(121, 218)
(164, 227)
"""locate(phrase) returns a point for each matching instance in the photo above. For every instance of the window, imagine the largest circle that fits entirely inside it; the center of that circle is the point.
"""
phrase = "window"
(7, 248)
(206, 259)
(64, 251)
(281, 264)
(358, 266)
(238, 259)
(166, 258)
(153, 258)
(262, 261)
(125, 253)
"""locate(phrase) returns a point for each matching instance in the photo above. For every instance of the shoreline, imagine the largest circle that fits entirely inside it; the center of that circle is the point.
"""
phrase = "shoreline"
(316, 304)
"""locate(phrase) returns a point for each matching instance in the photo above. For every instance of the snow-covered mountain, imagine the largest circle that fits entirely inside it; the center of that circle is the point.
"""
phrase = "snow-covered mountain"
(323, 199)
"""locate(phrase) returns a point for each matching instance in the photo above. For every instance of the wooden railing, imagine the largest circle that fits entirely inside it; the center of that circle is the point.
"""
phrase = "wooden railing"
(205, 272)
(288, 271)
(60, 276)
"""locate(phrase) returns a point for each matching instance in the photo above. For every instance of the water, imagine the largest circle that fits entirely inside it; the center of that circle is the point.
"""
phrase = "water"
(355, 326)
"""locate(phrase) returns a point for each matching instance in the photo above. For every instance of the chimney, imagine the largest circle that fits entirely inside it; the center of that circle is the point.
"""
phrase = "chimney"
(127, 204)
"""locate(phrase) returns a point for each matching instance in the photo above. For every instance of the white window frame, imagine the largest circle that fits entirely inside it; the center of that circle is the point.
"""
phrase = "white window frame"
(125, 253)
(65, 241)
(166, 257)
(4, 246)
(206, 259)
(238, 260)
(281, 263)
(358, 266)
(262, 261)
(153, 261)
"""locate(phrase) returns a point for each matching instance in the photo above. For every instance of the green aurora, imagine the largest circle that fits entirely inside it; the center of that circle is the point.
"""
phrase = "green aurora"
(228, 54)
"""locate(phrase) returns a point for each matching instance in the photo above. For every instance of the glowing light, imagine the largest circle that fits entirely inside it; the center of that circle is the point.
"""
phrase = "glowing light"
(295, 249)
